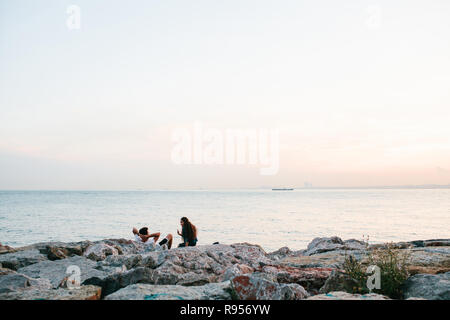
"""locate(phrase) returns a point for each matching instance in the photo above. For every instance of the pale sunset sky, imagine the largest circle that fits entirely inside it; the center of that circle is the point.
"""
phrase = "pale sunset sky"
(359, 91)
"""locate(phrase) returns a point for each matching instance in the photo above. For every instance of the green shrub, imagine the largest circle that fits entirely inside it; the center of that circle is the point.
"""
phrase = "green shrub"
(392, 263)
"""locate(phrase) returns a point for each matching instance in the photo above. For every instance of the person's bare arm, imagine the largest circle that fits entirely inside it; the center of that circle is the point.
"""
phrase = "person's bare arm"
(155, 235)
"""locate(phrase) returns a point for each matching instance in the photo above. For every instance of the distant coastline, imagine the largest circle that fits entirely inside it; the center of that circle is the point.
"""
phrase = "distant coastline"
(425, 186)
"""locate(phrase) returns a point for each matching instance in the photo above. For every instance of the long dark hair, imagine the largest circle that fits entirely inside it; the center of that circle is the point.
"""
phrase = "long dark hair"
(188, 230)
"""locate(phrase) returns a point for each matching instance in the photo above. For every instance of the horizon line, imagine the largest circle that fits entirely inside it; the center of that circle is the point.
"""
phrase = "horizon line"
(424, 186)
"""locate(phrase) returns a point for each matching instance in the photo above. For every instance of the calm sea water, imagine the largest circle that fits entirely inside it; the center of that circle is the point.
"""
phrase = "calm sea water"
(270, 218)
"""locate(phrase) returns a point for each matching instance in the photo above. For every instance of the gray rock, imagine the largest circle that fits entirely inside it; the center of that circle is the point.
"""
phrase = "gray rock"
(6, 249)
(437, 243)
(312, 279)
(55, 271)
(259, 286)
(202, 264)
(250, 254)
(331, 259)
(100, 251)
(338, 281)
(430, 257)
(57, 250)
(428, 286)
(153, 259)
(128, 261)
(119, 280)
(22, 258)
(82, 293)
(320, 245)
(125, 246)
(236, 270)
(338, 295)
(211, 291)
(280, 253)
(15, 281)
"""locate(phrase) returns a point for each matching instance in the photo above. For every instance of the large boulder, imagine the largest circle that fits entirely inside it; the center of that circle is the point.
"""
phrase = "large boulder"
(188, 275)
(56, 271)
(319, 245)
(119, 280)
(57, 250)
(339, 281)
(22, 258)
(81, 293)
(13, 281)
(211, 291)
(283, 253)
(432, 259)
(413, 244)
(6, 249)
(437, 243)
(339, 295)
(428, 286)
(312, 279)
(259, 287)
(153, 259)
(100, 251)
(128, 261)
(236, 270)
(250, 254)
(124, 246)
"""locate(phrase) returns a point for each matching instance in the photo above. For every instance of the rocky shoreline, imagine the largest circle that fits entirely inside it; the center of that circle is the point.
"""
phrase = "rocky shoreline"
(120, 269)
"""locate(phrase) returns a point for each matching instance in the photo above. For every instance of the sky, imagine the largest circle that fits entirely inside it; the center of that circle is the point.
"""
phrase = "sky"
(359, 91)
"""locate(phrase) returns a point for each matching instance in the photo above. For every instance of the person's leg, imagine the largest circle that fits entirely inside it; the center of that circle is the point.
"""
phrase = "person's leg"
(170, 238)
(181, 245)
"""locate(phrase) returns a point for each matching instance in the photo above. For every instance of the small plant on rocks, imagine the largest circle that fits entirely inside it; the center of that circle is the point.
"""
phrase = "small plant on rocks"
(393, 272)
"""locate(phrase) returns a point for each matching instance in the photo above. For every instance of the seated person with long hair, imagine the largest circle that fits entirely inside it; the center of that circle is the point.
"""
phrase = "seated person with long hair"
(188, 233)
(143, 235)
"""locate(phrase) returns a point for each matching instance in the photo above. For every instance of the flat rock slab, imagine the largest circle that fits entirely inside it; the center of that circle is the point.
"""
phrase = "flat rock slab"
(22, 258)
(324, 260)
(14, 281)
(56, 271)
(430, 257)
(82, 293)
(212, 291)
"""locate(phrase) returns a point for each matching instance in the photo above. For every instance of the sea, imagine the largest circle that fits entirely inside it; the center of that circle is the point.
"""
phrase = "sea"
(272, 219)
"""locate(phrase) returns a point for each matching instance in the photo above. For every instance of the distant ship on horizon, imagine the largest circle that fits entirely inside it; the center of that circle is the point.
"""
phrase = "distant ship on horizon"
(282, 189)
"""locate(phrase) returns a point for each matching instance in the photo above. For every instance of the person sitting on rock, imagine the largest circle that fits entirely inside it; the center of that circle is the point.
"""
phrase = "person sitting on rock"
(188, 233)
(143, 236)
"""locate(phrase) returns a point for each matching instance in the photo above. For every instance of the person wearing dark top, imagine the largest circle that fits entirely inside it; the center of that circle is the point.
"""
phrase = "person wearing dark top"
(188, 233)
